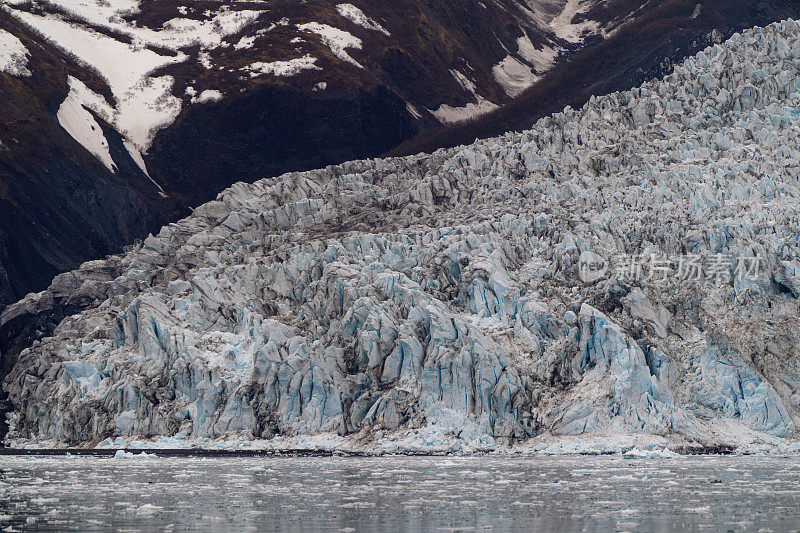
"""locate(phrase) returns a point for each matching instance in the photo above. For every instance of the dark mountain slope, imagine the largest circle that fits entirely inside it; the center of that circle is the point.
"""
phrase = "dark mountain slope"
(59, 205)
(644, 48)
(248, 90)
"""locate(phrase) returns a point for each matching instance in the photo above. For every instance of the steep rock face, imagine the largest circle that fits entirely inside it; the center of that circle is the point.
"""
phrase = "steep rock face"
(59, 206)
(446, 290)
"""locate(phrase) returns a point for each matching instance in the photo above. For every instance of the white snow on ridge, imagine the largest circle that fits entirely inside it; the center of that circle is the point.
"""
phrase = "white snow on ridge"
(204, 58)
(106, 13)
(148, 108)
(413, 111)
(143, 104)
(541, 59)
(447, 114)
(174, 34)
(245, 43)
(207, 96)
(450, 115)
(513, 76)
(462, 80)
(565, 29)
(337, 40)
(179, 33)
(13, 55)
(81, 124)
(136, 155)
(121, 64)
(284, 68)
(355, 15)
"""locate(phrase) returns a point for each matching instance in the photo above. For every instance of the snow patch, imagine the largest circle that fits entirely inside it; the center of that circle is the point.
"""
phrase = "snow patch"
(467, 84)
(175, 34)
(284, 68)
(246, 43)
(136, 155)
(413, 111)
(449, 115)
(209, 95)
(204, 58)
(542, 58)
(144, 104)
(148, 108)
(13, 55)
(337, 40)
(513, 76)
(355, 15)
(81, 124)
(574, 32)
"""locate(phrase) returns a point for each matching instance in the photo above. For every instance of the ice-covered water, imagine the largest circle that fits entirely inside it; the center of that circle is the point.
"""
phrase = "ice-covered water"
(401, 493)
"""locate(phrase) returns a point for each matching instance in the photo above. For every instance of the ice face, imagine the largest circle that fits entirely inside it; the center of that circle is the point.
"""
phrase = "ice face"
(442, 291)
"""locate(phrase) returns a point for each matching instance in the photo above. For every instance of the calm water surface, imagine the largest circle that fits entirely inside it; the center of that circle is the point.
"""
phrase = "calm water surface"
(401, 493)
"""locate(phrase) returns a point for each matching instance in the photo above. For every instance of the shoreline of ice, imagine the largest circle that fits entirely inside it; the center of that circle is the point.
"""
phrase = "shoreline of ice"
(425, 442)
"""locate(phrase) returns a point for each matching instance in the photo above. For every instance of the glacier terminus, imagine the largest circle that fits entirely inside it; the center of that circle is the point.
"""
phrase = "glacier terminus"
(434, 301)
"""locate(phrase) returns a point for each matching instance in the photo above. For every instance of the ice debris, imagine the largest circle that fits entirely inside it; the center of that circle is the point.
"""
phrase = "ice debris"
(122, 454)
(666, 453)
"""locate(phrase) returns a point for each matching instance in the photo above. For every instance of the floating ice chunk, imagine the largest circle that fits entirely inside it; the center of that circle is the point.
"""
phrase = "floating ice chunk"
(666, 453)
(122, 454)
(148, 509)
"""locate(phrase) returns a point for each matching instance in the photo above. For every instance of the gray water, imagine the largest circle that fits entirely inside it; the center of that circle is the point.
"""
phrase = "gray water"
(401, 493)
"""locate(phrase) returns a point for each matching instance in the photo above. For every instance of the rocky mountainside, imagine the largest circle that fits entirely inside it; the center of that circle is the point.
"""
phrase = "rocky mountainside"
(118, 116)
(632, 267)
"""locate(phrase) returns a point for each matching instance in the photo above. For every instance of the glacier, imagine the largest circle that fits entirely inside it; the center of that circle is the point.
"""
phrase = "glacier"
(439, 295)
